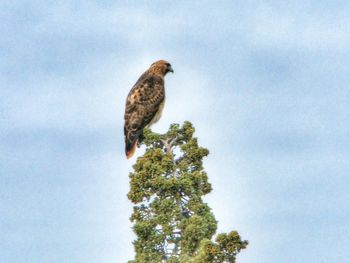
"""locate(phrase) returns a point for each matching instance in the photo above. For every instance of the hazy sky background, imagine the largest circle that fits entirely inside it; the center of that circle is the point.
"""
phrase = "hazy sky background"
(266, 85)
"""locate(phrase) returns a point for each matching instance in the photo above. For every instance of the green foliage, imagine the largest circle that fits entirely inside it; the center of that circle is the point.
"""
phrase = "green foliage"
(171, 221)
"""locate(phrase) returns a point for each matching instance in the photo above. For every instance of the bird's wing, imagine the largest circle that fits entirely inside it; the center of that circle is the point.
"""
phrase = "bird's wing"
(142, 104)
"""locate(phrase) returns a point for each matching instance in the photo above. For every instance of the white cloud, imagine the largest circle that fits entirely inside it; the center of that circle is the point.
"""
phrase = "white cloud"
(299, 28)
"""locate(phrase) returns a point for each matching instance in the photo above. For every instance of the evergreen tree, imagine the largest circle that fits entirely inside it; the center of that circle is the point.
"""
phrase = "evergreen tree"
(171, 221)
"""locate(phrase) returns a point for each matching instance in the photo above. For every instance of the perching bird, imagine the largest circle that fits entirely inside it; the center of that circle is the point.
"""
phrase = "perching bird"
(144, 103)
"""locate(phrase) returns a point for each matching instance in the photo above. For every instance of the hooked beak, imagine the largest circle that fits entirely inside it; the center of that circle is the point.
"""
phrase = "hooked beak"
(170, 69)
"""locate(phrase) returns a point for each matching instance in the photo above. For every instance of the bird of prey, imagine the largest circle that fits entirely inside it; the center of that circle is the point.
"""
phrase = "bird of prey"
(144, 103)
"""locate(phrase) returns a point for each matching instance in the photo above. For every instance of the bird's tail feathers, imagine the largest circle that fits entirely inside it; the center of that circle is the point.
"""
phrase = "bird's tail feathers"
(130, 148)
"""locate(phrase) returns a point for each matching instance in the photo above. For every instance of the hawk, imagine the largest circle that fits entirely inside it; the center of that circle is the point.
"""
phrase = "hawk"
(144, 103)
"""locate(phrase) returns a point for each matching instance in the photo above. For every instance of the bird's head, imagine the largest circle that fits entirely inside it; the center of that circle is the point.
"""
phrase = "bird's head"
(161, 67)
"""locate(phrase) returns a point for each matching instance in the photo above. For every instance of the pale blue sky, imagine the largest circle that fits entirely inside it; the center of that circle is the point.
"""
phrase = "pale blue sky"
(266, 84)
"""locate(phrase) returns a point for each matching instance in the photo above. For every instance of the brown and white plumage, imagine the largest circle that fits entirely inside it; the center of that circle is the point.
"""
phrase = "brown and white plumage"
(144, 103)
